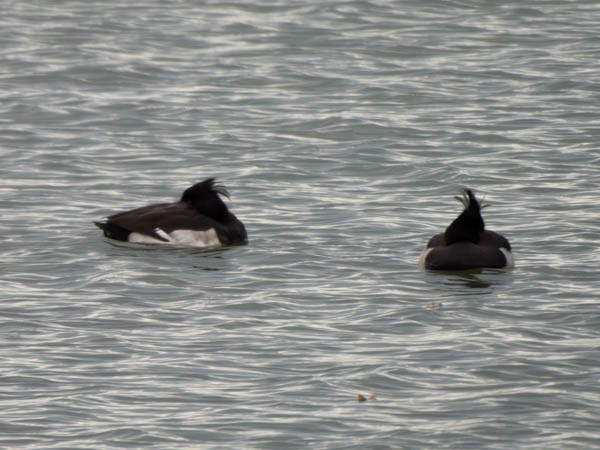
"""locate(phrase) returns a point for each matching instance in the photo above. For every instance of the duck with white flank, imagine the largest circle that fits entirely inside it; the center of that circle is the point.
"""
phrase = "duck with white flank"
(199, 219)
(466, 244)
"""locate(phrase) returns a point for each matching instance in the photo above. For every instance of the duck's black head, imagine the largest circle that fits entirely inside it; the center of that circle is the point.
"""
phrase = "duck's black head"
(467, 226)
(204, 197)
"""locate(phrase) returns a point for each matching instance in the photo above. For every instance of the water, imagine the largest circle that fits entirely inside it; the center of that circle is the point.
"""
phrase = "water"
(343, 130)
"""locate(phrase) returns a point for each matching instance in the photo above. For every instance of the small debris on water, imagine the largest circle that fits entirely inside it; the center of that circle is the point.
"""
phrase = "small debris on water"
(433, 305)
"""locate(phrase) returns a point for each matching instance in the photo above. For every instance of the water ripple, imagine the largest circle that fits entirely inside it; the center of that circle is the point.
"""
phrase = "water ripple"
(342, 130)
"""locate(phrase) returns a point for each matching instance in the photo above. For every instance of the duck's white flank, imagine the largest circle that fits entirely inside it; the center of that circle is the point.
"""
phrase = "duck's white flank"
(423, 256)
(195, 238)
(510, 262)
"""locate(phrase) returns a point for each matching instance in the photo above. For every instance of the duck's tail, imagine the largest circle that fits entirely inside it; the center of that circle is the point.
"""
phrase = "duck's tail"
(113, 231)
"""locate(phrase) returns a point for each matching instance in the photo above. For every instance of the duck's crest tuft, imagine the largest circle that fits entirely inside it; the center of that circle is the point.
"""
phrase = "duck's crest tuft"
(469, 224)
(202, 189)
(204, 197)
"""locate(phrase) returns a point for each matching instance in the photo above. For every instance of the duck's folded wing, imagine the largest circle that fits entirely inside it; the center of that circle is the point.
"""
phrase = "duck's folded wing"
(493, 239)
(166, 217)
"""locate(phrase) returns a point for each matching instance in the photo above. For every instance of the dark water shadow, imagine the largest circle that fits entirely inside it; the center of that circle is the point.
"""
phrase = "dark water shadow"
(469, 282)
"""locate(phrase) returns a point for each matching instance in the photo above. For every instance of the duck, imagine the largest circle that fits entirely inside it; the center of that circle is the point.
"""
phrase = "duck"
(200, 218)
(466, 244)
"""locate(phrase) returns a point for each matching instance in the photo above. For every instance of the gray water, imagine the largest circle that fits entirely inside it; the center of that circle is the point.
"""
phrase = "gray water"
(343, 130)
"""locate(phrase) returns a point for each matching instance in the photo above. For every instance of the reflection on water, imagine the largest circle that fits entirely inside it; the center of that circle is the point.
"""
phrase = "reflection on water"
(476, 281)
(472, 279)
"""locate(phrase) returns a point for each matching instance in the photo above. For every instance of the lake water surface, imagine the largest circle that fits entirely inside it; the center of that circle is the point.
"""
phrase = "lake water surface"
(343, 130)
